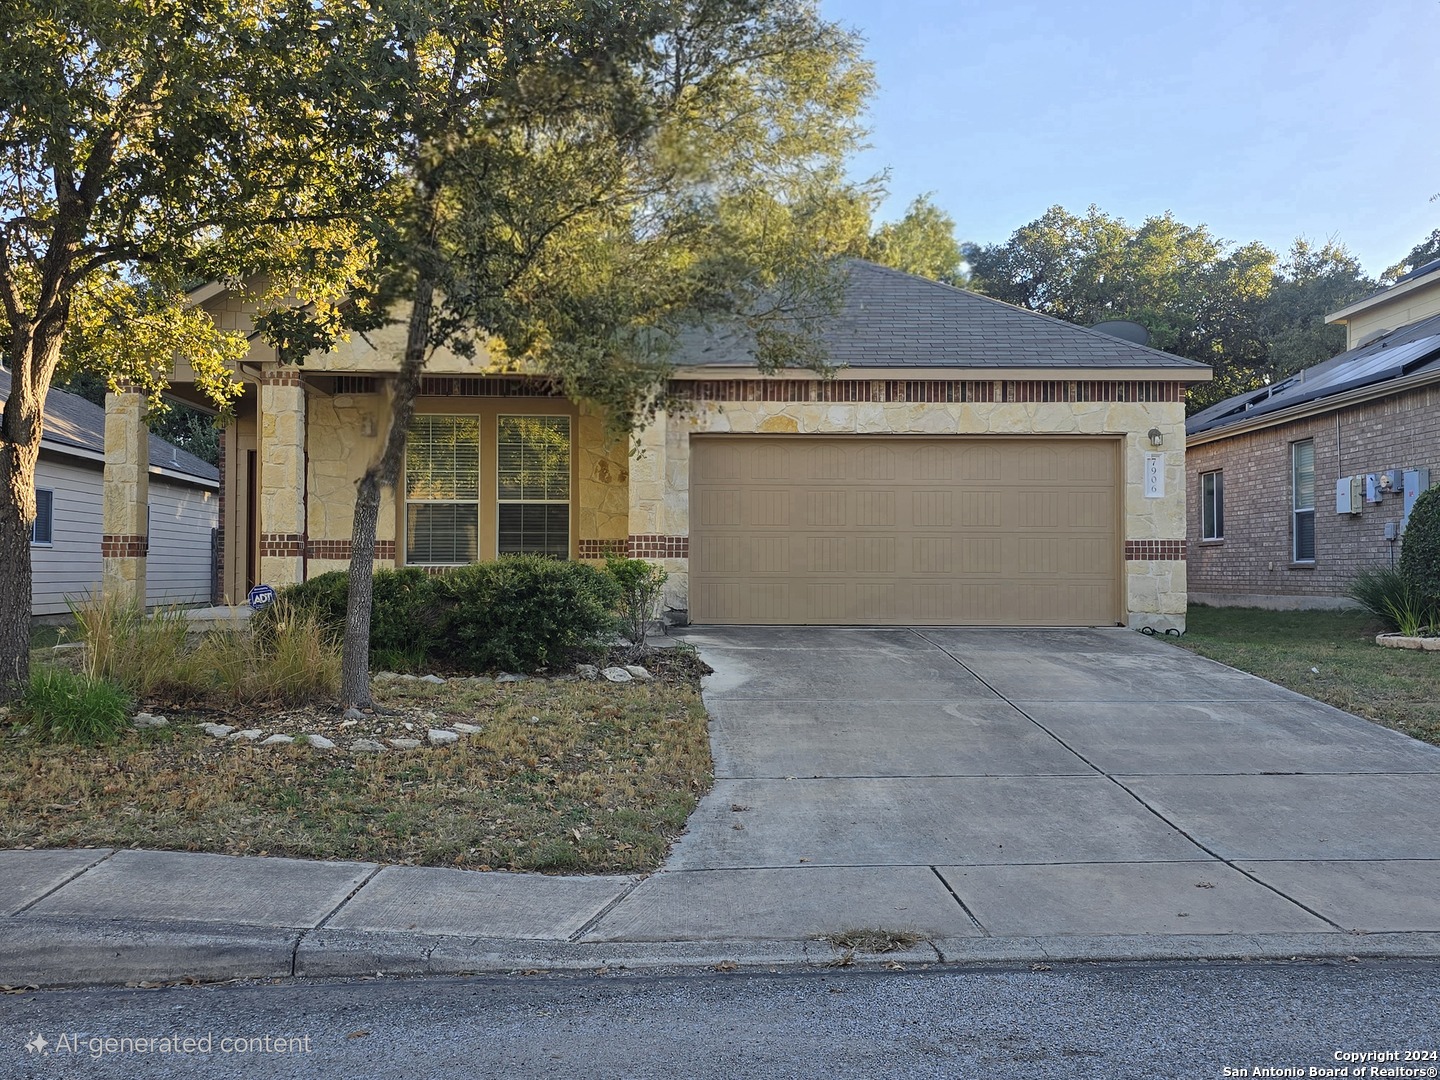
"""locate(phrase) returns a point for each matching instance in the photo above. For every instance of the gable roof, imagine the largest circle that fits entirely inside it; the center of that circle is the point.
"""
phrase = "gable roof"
(1410, 351)
(890, 319)
(1422, 277)
(72, 423)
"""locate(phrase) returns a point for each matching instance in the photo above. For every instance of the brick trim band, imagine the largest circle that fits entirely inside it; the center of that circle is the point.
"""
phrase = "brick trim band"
(286, 376)
(598, 549)
(658, 546)
(927, 390)
(340, 549)
(1154, 550)
(122, 546)
(281, 545)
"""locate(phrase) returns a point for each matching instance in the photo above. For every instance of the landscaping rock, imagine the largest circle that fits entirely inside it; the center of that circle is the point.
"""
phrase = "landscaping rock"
(587, 671)
(468, 729)
(404, 744)
(366, 746)
(405, 678)
(353, 713)
(218, 731)
(476, 680)
(248, 735)
(319, 742)
(145, 720)
(506, 677)
(441, 737)
(638, 672)
(617, 674)
(385, 676)
(278, 740)
(433, 680)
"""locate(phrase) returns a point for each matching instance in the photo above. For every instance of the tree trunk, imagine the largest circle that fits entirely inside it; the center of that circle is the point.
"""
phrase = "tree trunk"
(17, 511)
(355, 651)
(34, 357)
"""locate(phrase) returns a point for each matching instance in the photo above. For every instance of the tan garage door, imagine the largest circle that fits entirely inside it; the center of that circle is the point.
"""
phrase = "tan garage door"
(979, 532)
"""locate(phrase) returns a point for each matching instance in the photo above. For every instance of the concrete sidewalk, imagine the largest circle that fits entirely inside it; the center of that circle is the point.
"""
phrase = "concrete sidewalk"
(1017, 796)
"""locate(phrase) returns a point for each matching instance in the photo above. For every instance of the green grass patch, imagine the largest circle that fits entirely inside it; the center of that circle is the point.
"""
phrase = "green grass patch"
(1327, 655)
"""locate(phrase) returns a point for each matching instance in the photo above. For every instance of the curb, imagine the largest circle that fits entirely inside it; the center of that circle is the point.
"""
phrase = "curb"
(64, 952)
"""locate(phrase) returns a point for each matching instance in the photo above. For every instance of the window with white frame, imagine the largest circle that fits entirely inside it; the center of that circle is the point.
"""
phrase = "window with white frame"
(442, 490)
(42, 529)
(1212, 505)
(533, 514)
(1302, 487)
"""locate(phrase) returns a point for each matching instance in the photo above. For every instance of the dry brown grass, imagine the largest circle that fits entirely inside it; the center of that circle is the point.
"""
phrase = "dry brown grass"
(567, 776)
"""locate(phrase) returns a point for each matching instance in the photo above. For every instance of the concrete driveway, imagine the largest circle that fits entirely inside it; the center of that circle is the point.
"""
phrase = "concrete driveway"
(1031, 783)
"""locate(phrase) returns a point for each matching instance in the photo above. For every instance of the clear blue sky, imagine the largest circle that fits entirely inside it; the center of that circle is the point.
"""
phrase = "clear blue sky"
(1263, 119)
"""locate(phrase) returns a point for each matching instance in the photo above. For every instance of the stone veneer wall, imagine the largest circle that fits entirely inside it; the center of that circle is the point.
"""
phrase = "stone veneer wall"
(1154, 531)
(1251, 566)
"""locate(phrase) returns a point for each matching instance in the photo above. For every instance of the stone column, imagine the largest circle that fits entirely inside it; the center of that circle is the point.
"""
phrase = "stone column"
(282, 524)
(124, 535)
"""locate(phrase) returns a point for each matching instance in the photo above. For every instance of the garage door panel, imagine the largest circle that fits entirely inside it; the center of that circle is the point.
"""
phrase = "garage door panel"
(894, 531)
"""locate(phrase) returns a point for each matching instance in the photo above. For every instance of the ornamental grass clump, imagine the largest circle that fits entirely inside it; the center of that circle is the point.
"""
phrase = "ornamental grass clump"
(70, 707)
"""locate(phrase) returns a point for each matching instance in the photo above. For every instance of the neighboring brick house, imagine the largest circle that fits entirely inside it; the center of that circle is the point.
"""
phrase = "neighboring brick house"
(1295, 488)
(968, 463)
(68, 542)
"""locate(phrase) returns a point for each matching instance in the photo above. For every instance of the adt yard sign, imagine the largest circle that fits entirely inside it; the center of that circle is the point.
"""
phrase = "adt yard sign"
(261, 595)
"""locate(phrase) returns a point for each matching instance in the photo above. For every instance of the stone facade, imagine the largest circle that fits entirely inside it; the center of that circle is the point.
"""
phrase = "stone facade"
(1252, 564)
(1155, 586)
(125, 530)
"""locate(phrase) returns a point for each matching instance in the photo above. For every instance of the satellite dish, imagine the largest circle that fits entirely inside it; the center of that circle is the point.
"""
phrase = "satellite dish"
(1125, 330)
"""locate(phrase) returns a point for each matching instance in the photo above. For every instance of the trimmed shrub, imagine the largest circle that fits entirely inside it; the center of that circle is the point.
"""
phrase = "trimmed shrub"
(407, 618)
(642, 587)
(69, 707)
(1420, 547)
(524, 611)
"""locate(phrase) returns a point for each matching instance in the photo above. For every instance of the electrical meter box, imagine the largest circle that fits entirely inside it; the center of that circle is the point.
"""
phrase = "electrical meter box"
(1343, 505)
(1417, 481)
(1374, 493)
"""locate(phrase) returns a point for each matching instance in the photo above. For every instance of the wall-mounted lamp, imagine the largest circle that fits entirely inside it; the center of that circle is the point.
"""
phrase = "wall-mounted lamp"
(1156, 436)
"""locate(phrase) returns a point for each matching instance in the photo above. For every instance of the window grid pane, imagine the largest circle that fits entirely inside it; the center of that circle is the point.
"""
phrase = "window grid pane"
(1304, 475)
(534, 458)
(442, 490)
(442, 458)
(533, 473)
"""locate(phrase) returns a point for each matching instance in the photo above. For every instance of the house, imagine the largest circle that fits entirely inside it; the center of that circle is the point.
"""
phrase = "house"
(66, 554)
(969, 463)
(1296, 487)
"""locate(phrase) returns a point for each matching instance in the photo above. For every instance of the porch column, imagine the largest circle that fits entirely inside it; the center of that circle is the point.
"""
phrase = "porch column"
(282, 477)
(126, 495)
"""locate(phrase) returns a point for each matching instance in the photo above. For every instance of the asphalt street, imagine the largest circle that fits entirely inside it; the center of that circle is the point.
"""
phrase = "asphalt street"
(1190, 1020)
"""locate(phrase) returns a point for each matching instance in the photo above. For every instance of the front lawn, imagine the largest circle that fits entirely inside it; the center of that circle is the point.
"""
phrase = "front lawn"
(1327, 655)
(565, 775)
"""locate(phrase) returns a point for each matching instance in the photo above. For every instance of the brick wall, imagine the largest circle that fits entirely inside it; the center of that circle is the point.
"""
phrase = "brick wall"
(1254, 559)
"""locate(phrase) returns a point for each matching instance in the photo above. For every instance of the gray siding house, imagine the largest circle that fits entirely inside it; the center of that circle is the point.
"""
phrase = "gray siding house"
(65, 542)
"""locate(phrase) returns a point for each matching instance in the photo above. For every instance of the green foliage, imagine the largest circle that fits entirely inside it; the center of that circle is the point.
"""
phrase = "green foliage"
(1243, 310)
(1420, 547)
(922, 242)
(1389, 595)
(75, 708)
(641, 587)
(406, 618)
(524, 612)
